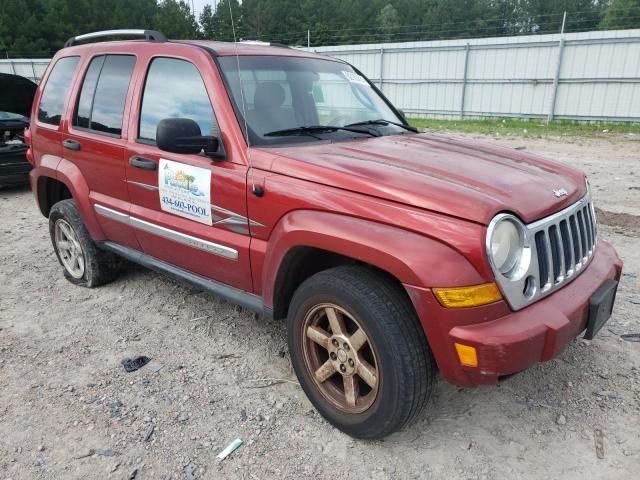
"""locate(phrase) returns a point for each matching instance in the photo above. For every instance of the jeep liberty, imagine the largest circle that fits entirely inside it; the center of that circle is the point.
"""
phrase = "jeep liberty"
(286, 182)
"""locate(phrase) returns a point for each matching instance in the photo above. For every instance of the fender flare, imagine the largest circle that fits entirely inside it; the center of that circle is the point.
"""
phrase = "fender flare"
(413, 259)
(69, 174)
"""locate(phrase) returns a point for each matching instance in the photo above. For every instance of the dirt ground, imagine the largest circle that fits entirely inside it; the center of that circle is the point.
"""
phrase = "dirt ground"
(68, 410)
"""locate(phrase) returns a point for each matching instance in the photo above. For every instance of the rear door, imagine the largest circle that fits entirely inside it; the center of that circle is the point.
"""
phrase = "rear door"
(187, 210)
(46, 124)
(96, 138)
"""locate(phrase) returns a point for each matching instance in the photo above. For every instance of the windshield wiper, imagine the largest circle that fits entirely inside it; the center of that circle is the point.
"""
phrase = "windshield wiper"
(310, 130)
(382, 121)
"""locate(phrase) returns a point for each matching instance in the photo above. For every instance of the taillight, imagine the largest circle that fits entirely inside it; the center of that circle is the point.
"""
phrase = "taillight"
(27, 140)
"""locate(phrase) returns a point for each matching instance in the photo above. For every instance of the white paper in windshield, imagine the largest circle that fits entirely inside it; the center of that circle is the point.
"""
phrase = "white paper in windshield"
(354, 77)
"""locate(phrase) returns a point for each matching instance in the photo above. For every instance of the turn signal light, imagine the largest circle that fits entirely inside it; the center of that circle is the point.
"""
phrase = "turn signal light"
(474, 296)
(467, 355)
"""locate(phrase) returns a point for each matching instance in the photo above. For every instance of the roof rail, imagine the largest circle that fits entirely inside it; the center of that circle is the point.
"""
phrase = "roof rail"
(266, 44)
(150, 35)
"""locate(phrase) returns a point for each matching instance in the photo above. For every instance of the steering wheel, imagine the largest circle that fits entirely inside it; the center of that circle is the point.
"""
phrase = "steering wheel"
(339, 120)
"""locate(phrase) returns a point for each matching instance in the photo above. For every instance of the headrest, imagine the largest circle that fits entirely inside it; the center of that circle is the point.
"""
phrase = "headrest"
(268, 95)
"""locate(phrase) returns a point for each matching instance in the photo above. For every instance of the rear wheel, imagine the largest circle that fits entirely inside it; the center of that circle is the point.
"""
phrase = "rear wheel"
(83, 263)
(359, 351)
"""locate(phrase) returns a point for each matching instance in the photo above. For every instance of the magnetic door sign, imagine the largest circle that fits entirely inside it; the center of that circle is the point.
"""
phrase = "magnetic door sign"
(185, 190)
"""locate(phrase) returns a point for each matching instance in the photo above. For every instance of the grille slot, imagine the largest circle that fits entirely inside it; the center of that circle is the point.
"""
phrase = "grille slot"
(567, 247)
(556, 257)
(543, 261)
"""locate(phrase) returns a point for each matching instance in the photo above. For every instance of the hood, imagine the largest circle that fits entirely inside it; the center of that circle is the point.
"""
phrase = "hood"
(16, 94)
(465, 179)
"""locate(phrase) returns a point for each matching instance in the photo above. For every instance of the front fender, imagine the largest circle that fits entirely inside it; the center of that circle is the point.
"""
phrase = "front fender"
(411, 258)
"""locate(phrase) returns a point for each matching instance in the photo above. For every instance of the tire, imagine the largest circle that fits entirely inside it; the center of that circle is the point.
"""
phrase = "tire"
(396, 348)
(99, 267)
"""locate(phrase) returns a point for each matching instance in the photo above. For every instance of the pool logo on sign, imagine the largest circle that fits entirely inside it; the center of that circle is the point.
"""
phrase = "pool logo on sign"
(185, 191)
(181, 180)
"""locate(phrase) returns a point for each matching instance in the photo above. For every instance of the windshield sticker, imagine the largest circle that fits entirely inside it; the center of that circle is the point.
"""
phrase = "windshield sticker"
(354, 77)
(185, 190)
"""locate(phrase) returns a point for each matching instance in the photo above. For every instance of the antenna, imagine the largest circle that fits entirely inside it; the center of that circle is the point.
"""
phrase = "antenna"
(257, 190)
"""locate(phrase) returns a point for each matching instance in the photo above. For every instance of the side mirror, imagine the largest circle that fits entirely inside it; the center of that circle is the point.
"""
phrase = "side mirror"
(183, 135)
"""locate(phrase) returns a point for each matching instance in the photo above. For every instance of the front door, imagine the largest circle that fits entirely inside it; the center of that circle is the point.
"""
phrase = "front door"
(187, 210)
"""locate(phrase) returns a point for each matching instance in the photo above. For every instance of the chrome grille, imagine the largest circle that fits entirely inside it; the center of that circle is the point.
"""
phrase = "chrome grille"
(559, 247)
(564, 245)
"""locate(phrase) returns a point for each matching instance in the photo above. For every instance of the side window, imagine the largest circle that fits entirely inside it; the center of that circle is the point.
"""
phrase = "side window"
(174, 89)
(83, 111)
(56, 90)
(104, 92)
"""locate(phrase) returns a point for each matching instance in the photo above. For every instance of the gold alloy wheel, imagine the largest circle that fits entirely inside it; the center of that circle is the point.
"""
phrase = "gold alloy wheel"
(69, 248)
(340, 358)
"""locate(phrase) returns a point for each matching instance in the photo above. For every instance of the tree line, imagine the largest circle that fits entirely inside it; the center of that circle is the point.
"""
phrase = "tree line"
(37, 28)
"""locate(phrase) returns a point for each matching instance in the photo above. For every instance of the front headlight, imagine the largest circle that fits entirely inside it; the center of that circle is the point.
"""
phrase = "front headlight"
(505, 243)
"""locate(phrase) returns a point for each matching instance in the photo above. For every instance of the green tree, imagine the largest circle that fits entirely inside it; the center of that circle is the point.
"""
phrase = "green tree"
(175, 19)
(207, 24)
(388, 21)
(217, 25)
(622, 14)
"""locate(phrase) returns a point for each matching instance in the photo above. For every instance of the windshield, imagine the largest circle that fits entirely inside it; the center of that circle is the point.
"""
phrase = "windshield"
(283, 93)
(12, 116)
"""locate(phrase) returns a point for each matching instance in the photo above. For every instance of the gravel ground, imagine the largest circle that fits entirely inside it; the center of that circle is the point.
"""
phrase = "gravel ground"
(69, 410)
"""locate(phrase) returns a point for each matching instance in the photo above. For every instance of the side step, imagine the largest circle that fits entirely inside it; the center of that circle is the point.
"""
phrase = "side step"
(231, 294)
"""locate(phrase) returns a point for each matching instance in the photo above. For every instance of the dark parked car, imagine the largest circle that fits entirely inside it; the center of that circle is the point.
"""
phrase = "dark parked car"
(16, 96)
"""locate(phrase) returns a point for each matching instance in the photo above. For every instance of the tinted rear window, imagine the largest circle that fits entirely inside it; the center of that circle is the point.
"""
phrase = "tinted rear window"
(104, 92)
(83, 112)
(56, 90)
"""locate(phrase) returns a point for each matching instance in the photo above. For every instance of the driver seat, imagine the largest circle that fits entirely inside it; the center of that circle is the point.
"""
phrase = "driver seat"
(268, 113)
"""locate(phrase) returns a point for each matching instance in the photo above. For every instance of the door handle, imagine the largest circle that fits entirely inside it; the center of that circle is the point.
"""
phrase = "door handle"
(143, 163)
(71, 145)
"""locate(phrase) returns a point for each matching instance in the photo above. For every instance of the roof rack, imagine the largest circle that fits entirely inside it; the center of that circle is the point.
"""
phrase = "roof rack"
(150, 35)
(266, 44)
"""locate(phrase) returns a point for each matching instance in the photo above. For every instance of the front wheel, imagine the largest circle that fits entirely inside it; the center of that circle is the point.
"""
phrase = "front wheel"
(359, 351)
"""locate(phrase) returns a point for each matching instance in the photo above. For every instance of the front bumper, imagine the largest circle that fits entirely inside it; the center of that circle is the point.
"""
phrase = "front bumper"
(508, 342)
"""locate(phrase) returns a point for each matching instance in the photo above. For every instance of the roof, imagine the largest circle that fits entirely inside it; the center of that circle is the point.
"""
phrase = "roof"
(221, 49)
(152, 37)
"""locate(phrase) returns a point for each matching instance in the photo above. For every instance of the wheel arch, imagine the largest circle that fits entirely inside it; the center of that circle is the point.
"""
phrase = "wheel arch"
(49, 192)
(67, 182)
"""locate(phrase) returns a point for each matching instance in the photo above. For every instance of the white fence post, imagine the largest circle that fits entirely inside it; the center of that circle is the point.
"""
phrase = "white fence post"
(380, 78)
(556, 79)
(467, 49)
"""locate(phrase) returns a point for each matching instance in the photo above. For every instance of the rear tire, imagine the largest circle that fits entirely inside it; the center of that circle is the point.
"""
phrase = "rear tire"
(82, 261)
(359, 351)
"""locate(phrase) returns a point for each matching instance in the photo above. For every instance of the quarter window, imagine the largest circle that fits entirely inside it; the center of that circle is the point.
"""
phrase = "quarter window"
(104, 92)
(174, 89)
(56, 90)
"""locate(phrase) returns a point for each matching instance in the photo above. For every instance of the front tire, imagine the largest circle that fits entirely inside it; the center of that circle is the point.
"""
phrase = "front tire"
(359, 351)
(82, 262)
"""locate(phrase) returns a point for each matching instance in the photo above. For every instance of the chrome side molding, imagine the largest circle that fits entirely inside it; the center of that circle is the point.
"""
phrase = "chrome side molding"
(183, 238)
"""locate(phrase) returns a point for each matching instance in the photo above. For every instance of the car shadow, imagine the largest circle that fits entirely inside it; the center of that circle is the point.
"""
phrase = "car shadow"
(14, 189)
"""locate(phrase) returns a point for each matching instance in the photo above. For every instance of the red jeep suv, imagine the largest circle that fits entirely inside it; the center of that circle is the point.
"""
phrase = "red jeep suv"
(286, 182)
